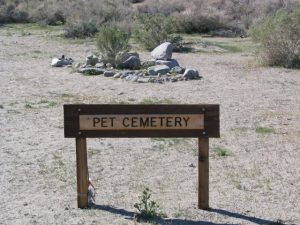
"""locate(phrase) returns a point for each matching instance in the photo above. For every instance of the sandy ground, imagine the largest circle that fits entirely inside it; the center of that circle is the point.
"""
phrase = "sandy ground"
(257, 183)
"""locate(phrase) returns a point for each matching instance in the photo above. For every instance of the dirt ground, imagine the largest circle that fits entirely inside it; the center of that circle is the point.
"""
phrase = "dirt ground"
(254, 166)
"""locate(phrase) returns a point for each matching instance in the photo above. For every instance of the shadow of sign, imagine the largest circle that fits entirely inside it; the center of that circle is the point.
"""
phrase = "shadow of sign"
(160, 221)
(131, 216)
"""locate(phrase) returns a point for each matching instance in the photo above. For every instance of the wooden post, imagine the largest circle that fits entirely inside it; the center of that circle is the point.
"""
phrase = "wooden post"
(203, 174)
(82, 173)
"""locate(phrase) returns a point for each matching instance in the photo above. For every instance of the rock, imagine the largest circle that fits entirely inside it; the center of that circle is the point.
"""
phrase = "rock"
(56, 62)
(59, 62)
(163, 51)
(170, 63)
(100, 65)
(108, 65)
(155, 70)
(91, 71)
(132, 62)
(132, 53)
(91, 60)
(126, 73)
(151, 80)
(149, 63)
(117, 75)
(109, 73)
(132, 77)
(177, 70)
(191, 74)
(123, 76)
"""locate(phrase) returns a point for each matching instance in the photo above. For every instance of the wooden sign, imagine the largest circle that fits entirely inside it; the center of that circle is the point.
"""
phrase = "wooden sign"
(84, 121)
(141, 121)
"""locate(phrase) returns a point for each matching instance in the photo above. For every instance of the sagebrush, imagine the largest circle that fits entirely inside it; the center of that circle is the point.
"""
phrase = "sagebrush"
(189, 16)
(279, 39)
(151, 30)
(113, 44)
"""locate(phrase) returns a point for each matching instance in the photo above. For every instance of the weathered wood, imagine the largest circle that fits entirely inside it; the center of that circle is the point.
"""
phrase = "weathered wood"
(82, 173)
(141, 122)
(203, 174)
(72, 114)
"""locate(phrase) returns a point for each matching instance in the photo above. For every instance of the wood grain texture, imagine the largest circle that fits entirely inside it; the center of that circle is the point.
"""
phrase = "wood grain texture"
(203, 174)
(82, 173)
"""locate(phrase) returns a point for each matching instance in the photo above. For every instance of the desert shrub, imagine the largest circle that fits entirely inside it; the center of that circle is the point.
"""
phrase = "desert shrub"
(152, 30)
(279, 37)
(177, 41)
(148, 209)
(203, 16)
(80, 29)
(43, 16)
(191, 16)
(113, 44)
(197, 23)
(11, 14)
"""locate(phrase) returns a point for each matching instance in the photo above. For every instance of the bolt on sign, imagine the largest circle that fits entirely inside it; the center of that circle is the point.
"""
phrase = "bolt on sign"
(132, 121)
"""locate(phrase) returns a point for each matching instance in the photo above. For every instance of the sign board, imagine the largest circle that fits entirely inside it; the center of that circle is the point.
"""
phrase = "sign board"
(141, 120)
(85, 121)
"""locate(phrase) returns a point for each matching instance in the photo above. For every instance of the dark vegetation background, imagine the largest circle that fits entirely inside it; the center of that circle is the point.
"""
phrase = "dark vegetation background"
(84, 17)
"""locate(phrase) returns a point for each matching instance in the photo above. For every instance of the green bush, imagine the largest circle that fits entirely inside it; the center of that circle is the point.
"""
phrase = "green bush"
(152, 30)
(279, 37)
(148, 209)
(113, 43)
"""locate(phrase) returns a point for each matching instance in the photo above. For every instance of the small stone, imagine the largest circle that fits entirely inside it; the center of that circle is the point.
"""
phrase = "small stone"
(109, 73)
(132, 62)
(92, 60)
(170, 63)
(192, 165)
(132, 77)
(191, 74)
(135, 78)
(117, 75)
(162, 69)
(100, 65)
(123, 76)
(177, 70)
(126, 73)
(148, 63)
(59, 62)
